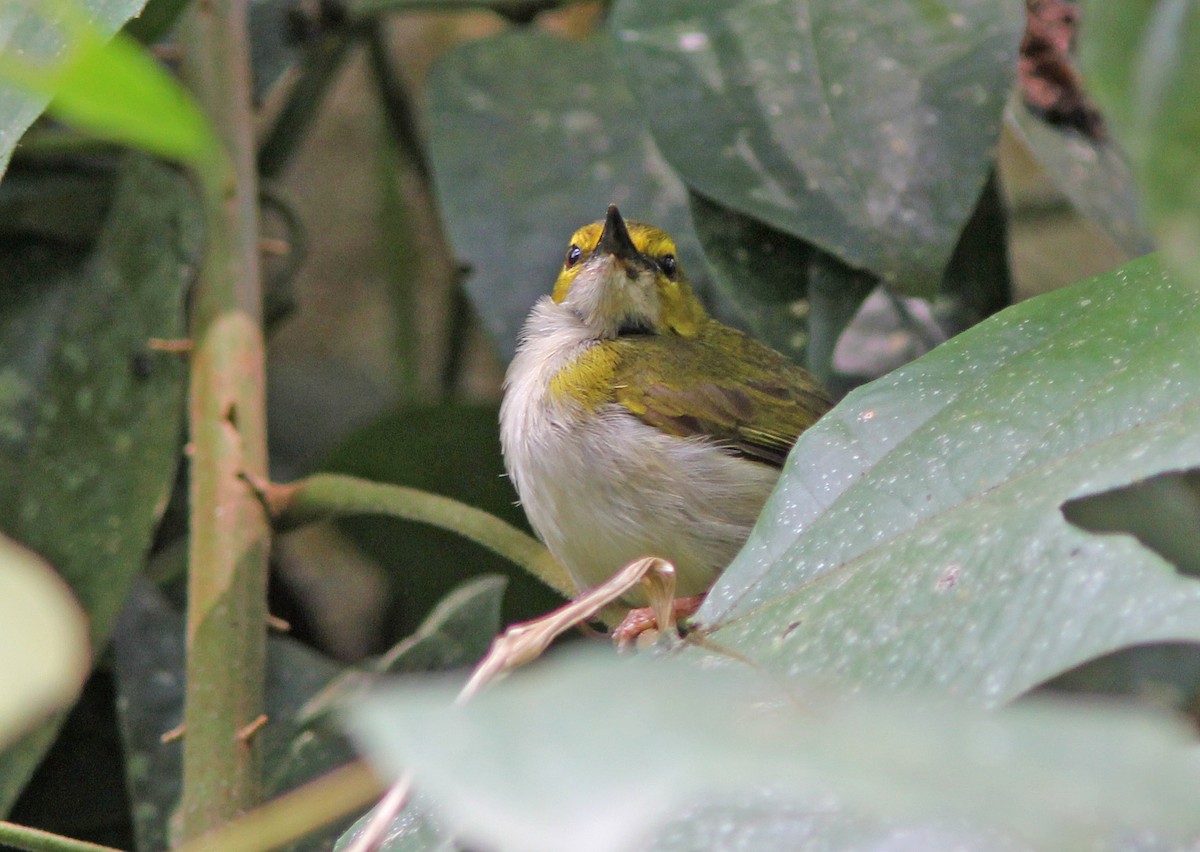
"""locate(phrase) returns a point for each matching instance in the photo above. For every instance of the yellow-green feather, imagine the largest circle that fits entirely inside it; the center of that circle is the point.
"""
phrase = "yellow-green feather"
(719, 384)
(587, 380)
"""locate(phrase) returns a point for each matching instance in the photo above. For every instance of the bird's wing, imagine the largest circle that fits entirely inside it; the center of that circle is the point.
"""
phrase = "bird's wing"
(720, 385)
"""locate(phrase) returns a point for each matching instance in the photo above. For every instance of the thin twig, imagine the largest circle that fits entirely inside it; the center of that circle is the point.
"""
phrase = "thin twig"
(324, 495)
(296, 813)
(524, 643)
(13, 836)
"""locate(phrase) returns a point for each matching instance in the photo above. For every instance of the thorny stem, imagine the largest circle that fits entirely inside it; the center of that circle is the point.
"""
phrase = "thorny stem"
(229, 533)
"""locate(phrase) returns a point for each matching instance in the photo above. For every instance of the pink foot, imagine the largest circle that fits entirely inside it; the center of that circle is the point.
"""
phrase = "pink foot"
(642, 619)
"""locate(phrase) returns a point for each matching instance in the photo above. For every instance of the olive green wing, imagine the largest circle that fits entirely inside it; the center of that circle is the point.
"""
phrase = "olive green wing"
(720, 385)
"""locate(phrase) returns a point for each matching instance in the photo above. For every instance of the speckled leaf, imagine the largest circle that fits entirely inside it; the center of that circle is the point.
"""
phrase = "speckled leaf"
(89, 416)
(776, 280)
(866, 128)
(917, 539)
(1142, 63)
(1092, 174)
(510, 770)
(149, 665)
(531, 137)
(32, 32)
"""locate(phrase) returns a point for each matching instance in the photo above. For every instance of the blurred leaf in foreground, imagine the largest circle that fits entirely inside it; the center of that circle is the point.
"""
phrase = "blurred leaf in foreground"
(33, 30)
(111, 88)
(593, 753)
(43, 641)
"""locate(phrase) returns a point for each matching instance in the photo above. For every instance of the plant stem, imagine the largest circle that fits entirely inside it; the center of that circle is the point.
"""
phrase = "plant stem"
(13, 836)
(322, 63)
(226, 627)
(327, 494)
(296, 813)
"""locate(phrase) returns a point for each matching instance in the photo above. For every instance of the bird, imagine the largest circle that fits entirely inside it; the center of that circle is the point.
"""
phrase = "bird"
(634, 424)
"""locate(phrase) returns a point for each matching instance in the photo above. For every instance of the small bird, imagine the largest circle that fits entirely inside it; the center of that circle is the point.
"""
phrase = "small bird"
(633, 424)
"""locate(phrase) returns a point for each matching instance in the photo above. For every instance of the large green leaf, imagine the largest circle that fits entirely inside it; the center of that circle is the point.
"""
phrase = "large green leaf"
(531, 137)
(866, 128)
(90, 417)
(594, 753)
(43, 641)
(1142, 61)
(917, 537)
(34, 33)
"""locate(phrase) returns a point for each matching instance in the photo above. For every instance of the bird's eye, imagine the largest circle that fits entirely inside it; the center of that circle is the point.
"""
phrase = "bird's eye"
(573, 255)
(668, 265)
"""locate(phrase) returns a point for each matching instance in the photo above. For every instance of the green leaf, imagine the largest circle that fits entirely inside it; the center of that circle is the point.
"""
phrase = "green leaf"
(562, 138)
(917, 539)
(114, 90)
(1142, 63)
(510, 770)
(1093, 176)
(90, 417)
(43, 642)
(793, 297)
(776, 822)
(866, 128)
(33, 32)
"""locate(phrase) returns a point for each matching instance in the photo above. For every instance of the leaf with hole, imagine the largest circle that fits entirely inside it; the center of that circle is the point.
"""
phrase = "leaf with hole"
(917, 538)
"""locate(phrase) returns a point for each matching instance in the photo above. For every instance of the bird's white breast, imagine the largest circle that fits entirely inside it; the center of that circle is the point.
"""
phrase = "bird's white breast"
(602, 488)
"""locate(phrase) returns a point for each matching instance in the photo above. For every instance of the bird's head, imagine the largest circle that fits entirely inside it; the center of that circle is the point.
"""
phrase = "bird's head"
(623, 278)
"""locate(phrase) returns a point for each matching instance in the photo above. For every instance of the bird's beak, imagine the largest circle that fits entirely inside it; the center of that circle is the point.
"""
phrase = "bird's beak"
(615, 239)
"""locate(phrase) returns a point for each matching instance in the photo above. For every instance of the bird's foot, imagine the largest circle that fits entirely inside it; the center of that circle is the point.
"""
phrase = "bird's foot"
(641, 621)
